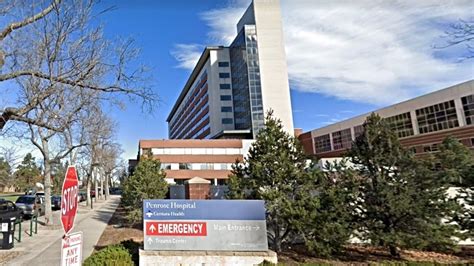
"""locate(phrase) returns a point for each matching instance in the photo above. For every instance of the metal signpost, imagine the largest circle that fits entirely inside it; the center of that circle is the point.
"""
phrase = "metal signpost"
(237, 225)
(71, 246)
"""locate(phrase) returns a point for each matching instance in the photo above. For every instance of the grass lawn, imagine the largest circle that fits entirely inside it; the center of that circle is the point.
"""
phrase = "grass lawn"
(9, 197)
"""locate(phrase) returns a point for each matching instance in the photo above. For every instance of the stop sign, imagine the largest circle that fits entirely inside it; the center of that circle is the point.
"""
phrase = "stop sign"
(69, 195)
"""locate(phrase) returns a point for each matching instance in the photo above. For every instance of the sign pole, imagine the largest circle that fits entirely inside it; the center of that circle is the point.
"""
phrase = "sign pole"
(71, 244)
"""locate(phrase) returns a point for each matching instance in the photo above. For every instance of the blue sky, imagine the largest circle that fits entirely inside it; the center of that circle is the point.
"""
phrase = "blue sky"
(344, 58)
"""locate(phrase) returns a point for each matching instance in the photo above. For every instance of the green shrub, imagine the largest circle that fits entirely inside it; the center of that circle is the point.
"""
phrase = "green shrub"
(110, 255)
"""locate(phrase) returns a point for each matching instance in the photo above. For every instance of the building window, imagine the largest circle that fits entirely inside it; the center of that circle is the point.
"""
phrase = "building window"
(358, 130)
(207, 166)
(430, 148)
(342, 139)
(227, 121)
(226, 98)
(226, 109)
(166, 166)
(224, 86)
(223, 64)
(322, 143)
(221, 182)
(437, 117)
(468, 106)
(224, 75)
(184, 166)
(179, 181)
(401, 124)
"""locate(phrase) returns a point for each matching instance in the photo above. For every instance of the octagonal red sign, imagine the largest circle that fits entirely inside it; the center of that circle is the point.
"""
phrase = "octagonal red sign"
(69, 195)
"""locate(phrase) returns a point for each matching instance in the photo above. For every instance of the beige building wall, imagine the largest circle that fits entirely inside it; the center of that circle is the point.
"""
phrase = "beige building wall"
(266, 15)
(451, 93)
(217, 55)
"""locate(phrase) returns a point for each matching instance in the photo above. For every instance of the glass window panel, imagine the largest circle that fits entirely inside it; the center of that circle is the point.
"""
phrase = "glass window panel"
(322, 143)
(223, 64)
(437, 117)
(227, 121)
(468, 107)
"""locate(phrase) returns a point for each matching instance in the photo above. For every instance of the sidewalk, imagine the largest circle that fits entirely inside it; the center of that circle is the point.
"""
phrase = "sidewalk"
(45, 247)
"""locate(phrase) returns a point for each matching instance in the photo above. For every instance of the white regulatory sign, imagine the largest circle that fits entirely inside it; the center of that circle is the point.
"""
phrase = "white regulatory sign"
(71, 249)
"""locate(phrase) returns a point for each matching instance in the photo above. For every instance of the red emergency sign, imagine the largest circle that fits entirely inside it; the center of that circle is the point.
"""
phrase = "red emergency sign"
(176, 228)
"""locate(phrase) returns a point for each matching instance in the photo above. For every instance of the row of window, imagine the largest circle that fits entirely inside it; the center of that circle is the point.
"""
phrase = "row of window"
(185, 130)
(189, 97)
(468, 107)
(434, 147)
(195, 151)
(188, 106)
(216, 181)
(430, 119)
(401, 124)
(196, 166)
(437, 117)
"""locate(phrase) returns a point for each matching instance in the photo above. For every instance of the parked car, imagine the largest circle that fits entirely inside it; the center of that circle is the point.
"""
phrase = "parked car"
(82, 196)
(30, 205)
(115, 191)
(7, 206)
(56, 202)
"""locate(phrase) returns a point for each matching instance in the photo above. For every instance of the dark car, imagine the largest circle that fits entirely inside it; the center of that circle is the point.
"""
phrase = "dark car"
(56, 202)
(30, 205)
(7, 206)
(115, 191)
(82, 196)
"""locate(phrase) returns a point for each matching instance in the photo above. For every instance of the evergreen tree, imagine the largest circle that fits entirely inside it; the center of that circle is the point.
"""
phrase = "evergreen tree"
(274, 171)
(455, 162)
(58, 172)
(147, 182)
(402, 203)
(28, 173)
(5, 174)
(330, 223)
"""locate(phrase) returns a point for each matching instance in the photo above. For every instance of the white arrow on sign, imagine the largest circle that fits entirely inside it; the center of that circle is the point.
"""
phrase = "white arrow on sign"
(152, 228)
(150, 240)
(149, 214)
(256, 228)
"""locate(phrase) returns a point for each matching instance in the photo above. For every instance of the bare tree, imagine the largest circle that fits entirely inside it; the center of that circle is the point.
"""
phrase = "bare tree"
(62, 67)
(99, 133)
(110, 164)
(461, 33)
(79, 56)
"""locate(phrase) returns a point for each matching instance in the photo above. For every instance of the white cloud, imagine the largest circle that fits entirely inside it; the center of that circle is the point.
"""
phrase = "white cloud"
(187, 54)
(377, 52)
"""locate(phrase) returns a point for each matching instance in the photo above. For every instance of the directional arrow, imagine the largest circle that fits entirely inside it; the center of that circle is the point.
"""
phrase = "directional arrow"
(152, 228)
(150, 240)
(149, 214)
(256, 228)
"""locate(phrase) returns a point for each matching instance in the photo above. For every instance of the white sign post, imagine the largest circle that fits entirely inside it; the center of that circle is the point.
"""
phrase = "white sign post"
(71, 250)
